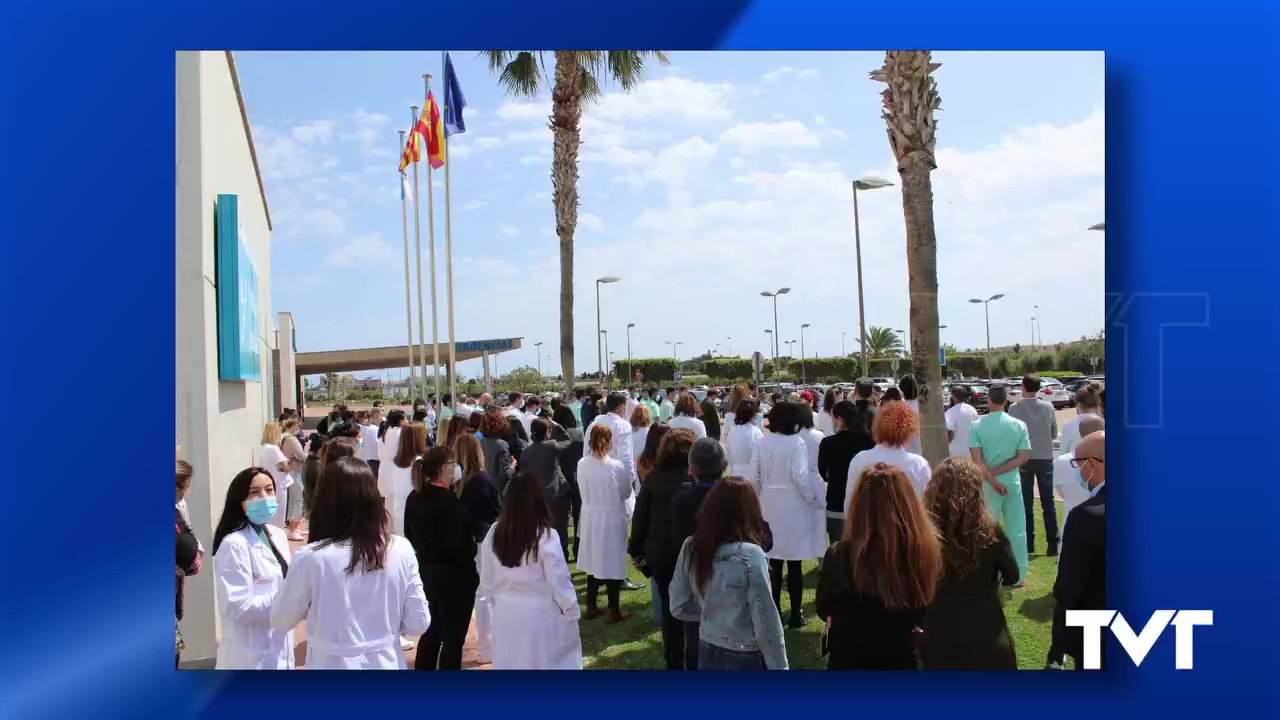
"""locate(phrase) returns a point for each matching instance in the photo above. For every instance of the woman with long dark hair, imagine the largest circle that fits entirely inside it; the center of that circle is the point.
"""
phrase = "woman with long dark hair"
(311, 470)
(356, 584)
(566, 431)
(823, 420)
(442, 534)
(877, 582)
(648, 456)
(965, 628)
(524, 574)
(482, 502)
(388, 444)
(721, 581)
(250, 562)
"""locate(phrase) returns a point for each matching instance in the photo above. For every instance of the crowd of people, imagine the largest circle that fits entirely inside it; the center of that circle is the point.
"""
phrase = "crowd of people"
(415, 524)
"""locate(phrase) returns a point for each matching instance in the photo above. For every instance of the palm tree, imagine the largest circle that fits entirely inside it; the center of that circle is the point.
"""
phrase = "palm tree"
(883, 342)
(909, 100)
(578, 75)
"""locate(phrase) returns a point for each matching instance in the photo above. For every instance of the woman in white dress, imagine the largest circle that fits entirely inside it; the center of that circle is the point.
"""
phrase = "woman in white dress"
(812, 441)
(399, 478)
(895, 424)
(687, 415)
(524, 575)
(276, 463)
(250, 562)
(605, 485)
(790, 501)
(355, 584)
(641, 420)
(388, 443)
(740, 444)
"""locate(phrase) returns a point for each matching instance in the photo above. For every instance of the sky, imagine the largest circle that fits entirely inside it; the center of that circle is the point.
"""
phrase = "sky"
(724, 174)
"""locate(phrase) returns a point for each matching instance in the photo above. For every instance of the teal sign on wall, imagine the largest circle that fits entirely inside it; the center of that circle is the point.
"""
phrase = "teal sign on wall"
(239, 352)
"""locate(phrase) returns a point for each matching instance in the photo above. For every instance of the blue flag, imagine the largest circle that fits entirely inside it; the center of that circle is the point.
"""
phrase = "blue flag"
(454, 101)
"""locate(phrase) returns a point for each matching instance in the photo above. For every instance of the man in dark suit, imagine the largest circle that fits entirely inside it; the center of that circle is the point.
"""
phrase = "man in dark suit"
(542, 460)
(1082, 565)
(568, 436)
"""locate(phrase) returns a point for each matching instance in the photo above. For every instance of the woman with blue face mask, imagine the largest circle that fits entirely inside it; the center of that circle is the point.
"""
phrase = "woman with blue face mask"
(250, 561)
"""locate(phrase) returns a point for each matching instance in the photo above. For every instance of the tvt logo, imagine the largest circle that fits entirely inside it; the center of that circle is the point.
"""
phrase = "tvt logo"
(1138, 645)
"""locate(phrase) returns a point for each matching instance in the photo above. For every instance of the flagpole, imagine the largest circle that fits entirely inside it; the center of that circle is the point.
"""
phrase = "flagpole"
(417, 249)
(408, 306)
(431, 251)
(448, 249)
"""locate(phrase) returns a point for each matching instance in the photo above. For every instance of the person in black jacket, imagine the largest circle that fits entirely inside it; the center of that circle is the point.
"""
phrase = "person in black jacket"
(835, 452)
(1082, 565)
(964, 627)
(440, 530)
(477, 489)
(542, 461)
(653, 542)
(711, 415)
(497, 451)
(565, 431)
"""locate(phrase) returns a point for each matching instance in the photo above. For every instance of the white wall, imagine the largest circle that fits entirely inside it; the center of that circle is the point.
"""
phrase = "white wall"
(219, 424)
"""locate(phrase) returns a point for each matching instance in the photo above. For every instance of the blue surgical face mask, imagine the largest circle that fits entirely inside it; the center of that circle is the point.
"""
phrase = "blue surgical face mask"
(360, 441)
(260, 510)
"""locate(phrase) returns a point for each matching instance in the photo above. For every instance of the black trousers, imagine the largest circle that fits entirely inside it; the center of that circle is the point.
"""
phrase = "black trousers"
(613, 589)
(575, 510)
(450, 599)
(1038, 474)
(676, 649)
(373, 465)
(795, 584)
(560, 510)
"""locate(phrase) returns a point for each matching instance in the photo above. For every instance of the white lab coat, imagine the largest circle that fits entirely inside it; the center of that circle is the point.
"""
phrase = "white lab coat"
(914, 445)
(621, 451)
(639, 436)
(740, 450)
(959, 419)
(399, 482)
(824, 423)
(688, 422)
(1069, 485)
(387, 448)
(790, 501)
(247, 582)
(812, 439)
(535, 609)
(1071, 432)
(354, 621)
(915, 466)
(370, 449)
(605, 488)
(272, 456)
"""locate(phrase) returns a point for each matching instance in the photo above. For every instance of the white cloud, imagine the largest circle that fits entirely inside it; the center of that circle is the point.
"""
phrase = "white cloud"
(751, 137)
(473, 205)
(370, 249)
(525, 111)
(672, 100)
(363, 117)
(587, 221)
(834, 133)
(508, 230)
(783, 73)
(457, 149)
(315, 131)
(535, 135)
(283, 157)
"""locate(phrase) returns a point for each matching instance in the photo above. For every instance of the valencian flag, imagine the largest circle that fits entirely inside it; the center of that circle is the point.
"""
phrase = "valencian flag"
(454, 101)
(412, 150)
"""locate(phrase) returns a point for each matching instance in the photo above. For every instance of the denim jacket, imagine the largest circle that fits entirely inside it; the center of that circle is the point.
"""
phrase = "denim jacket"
(737, 611)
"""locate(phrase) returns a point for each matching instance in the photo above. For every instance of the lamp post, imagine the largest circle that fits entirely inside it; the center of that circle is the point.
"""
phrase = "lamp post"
(804, 378)
(631, 371)
(1039, 333)
(866, 183)
(729, 340)
(791, 348)
(774, 295)
(1101, 227)
(599, 357)
(1033, 332)
(986, 309)
(842, 353)
(906, 344)
(675, 354)
(538, 345)
(605, 335)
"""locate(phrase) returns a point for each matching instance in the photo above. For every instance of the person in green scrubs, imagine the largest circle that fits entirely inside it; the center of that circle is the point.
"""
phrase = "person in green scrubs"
(999, 443)
(650, 401)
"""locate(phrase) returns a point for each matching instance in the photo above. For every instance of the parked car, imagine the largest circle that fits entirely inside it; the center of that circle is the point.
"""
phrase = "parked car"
(977, 395)
(1052, 390)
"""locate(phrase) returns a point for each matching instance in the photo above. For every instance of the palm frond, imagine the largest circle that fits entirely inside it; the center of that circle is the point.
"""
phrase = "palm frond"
(520, 73)
(590, 86)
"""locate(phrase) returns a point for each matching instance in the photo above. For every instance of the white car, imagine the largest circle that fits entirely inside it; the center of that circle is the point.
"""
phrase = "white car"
(1051, 391)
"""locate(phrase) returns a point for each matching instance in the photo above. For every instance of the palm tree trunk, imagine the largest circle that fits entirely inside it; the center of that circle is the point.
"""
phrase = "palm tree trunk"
(922, 279)
(566, 117)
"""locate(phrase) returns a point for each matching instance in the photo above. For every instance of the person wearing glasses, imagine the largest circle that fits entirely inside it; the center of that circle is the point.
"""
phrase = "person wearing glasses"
(1082, 567)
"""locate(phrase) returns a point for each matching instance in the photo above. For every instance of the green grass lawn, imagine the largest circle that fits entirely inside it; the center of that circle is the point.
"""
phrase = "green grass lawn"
(636, 643)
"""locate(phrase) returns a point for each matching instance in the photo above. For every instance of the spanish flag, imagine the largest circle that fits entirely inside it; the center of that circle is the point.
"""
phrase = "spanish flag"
(433, 131)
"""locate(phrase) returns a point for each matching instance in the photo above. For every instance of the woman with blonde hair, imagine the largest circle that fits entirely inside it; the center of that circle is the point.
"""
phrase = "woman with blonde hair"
(413, 443)
(278, 465)
(877, 582)
(606, 486)
(297, 456)
(442, 432)
(641, 421)
(965, 628)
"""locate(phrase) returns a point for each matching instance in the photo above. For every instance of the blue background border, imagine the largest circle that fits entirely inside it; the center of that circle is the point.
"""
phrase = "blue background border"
(88, 97)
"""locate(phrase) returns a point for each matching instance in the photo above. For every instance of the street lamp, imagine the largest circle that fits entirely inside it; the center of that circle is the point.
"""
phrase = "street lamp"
(1102, 227)
(631, 371)
(906, 344)
(605, 335)
(538, 345)
(803, 377)
(599, 357)
(729, 340)
(1038, 332)
(791, 352)
(986, 309)
(675, 347)
(774, 295)
(842, 353)
(866, 183)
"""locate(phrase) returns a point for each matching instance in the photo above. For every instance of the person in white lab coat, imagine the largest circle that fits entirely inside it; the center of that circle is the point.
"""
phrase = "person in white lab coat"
(959, 418)
(641, 420)
(388, 444)
(605, 484)
(740, 443)
(355, 584)
(1088, 404)
(399, 479)
(687, 415)
(368, 448)
(278, 465)
(1066, 479)
(893, 428)
(823, 420)
(524, 574)
(911, 394)
(812, 442)
(791, 502)
(250, 562)
(620, 447)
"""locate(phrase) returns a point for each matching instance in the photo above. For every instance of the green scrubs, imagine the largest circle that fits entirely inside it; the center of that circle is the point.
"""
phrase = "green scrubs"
(1000, 436)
